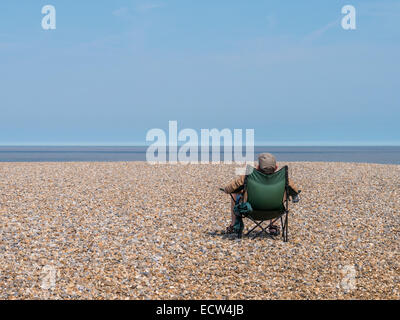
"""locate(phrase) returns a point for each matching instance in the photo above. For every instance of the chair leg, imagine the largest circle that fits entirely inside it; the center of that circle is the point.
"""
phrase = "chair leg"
(286, 228)
(284, 224)
(248, 232)
(261, 232)
(257, 224)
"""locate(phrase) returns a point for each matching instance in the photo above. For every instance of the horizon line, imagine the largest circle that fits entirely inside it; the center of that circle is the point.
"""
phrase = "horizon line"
(221, 146)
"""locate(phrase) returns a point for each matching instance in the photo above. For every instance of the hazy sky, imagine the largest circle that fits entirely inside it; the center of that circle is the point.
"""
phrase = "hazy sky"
(112, 70)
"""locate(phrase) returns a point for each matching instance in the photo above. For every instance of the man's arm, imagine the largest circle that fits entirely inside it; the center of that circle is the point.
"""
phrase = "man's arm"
(234, 184)
(293, 191)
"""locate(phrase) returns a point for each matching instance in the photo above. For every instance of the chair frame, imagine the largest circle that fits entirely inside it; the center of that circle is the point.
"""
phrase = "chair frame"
(282, 217)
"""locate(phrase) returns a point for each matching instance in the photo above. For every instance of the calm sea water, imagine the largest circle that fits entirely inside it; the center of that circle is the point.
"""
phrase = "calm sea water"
(341, 154)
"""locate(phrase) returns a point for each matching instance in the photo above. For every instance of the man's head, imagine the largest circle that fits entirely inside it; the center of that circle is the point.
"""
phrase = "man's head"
(267, 163)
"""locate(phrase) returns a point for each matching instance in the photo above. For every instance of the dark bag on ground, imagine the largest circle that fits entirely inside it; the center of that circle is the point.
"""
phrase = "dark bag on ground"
(241, 209)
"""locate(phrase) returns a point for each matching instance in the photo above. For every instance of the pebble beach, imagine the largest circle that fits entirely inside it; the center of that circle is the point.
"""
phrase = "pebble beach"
(132, 230)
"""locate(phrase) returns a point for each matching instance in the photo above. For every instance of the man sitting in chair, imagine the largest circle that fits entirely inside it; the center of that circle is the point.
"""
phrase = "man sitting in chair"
(267, 165)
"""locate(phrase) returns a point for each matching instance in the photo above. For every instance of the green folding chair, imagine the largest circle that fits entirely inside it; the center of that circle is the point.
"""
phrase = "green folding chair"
(266, 194)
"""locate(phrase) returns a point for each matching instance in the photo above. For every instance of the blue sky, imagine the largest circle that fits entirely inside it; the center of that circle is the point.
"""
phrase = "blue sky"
(112, 70)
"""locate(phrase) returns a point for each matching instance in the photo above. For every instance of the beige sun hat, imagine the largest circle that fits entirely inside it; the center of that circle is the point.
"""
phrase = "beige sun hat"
(267, 162)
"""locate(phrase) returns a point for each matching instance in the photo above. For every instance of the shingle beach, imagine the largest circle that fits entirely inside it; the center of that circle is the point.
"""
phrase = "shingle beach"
(131, 230)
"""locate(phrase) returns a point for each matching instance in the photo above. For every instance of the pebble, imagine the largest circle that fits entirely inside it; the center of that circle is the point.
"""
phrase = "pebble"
(132, 230)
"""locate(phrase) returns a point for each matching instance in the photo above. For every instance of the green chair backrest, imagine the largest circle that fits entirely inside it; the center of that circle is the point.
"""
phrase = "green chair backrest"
(265, 192)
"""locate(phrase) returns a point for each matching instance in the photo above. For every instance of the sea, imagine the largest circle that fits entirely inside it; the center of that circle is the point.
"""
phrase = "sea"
(363, 154)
